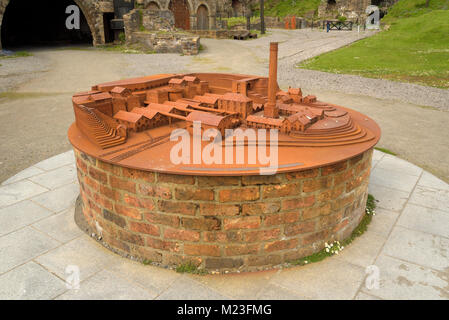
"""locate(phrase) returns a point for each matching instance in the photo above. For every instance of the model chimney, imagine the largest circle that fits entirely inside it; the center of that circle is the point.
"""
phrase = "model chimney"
(270, 109)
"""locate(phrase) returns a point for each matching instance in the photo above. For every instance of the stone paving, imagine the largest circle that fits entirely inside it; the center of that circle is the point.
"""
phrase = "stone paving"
(406, 245)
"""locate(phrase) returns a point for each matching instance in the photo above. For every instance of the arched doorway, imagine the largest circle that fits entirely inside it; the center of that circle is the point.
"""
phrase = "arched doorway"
(153, 6)
(202, 18)
(43, 22)
(181, 12)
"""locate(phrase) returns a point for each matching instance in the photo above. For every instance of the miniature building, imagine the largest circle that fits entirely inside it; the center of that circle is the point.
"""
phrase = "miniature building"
(236, 102)
(134, 121)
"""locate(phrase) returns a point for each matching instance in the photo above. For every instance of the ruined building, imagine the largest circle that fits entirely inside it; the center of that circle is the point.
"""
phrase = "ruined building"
(352, 9)
(42, 22)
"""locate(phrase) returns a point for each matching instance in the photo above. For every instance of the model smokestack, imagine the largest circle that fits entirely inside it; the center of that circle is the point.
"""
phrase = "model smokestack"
(270, 109)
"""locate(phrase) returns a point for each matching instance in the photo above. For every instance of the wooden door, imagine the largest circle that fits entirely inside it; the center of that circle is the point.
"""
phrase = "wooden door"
(202, 17)
(181, 12)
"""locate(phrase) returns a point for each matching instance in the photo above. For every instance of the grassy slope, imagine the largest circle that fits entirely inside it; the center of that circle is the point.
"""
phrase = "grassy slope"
(415, 48)
(282, 8)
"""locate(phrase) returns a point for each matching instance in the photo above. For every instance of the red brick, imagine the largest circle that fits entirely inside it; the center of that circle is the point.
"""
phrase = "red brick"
(177, 179)
(186, 208)
(138, 174)
(334, 168)
(282, 218)
(281, 245)
(262, 235)
(328, 221)
(311, 173)
(263, 179)
(81, 165)
(194, 194)
(122, 184)
(310, 213)
(130, 237)
(317, 184)
(138, 202)
(223, 236)
(341, 225)
(355, 159)
(103, 201)
(128, 211)
(161, 218)
(282, 190)
(343, 177)
(162, 245)
(218, 181)
(314, 237)
(331, 194)
(202, 250)
(110, 193)
(239, 194)
(98, 175)
(213, 209)
(109, 167)
(242, 223)
(238, 250)
(201, 224)
(342, 202)
(297, 203)
(185, 235)
(356, 182)
(155, 191)
(260, 208)
(91, 183)
(146, 228)
(299, 228)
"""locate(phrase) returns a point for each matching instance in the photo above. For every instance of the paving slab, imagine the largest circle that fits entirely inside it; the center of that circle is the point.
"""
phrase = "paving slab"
(83, 252)
(23, 245)
(238, 285)
(389, 199)
(186, 288)
(56, 178)
(364, 296)
(393, 179)
(30, 282)
(425, 219)
(57, 161)
(27, 173)
(59, 199)
(431, 198)
(418, 247)
(404, 280)
(18, 191)
(107, 286)
(20, 215)
(328, 279)
(61, 227)
(383, 221)
(276, 292)
(430, 181)
(393, 163)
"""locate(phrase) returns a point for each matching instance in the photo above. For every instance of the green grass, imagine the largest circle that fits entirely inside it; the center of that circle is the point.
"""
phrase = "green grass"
(336, 247)
(18, 54)
(384, 150)
(414, 49)
(189, 268)
(282, 8)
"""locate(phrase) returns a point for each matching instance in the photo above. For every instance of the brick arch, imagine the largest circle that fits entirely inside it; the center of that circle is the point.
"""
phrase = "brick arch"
(87, 7)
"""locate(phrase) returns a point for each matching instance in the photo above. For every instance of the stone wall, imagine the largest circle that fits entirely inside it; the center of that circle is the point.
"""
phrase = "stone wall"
(352, 9)
(224, 223)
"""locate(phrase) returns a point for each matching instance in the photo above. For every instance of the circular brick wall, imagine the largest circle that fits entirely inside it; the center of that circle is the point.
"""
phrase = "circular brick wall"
(226, 223)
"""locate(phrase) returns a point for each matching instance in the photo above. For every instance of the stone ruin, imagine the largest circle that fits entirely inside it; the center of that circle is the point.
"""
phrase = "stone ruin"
(352, 9)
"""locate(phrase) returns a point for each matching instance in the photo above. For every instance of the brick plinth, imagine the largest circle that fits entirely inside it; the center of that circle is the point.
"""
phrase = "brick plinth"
(226, 223)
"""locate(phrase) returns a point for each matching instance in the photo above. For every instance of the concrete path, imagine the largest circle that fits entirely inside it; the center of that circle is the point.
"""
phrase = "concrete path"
(405, 248)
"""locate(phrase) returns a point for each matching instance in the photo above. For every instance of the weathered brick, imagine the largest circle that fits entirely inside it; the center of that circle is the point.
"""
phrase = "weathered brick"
(147, 254)
(282, 218)
(343, 177)
(263, 179)
(81, 165)
(138, 202)
(215, 209)
(334, 168)
(122, 184)
(103, 201)
(223, 236)
(162, 244)
(185, 208)
(185, 235)
(155, 191)
(262, 235)
(128, 211)
(116, 170)
(342, 202)
(98, 175)
(177, 179)
(271, 259)
(260, 208)
(138, 174)
(114, 218)
(223, 263)
(91, 183)
(218, 181)
(238, 250)
(130, 237)
(303, 202)
(325, 222)
(355, 159)
(202, 250)
(331, 194)
(299, 228)
(311, 173)
(314, 237)
(110, 193)
(194, 194)
(281, 245)
(146, 228)
(201, 224)
(356, 182)
(249, 222)
(317, 184)
(310, 213)
(239, 194)
(282, 190)
(161, 218)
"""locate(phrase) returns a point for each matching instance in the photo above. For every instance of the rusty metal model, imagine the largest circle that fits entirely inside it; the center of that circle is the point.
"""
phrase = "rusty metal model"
(129, 122)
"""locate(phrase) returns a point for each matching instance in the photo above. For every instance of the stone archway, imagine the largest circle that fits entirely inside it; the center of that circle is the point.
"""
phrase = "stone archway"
(181, 12)
(202, 18)
(88, 8)
(153, 5)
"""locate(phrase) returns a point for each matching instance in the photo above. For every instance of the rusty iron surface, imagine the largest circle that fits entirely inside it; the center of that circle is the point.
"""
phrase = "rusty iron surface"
(129, 122)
